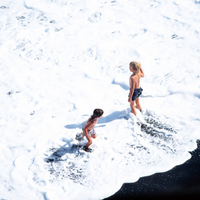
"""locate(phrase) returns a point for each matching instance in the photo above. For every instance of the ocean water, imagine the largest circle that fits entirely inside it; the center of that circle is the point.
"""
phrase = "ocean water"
(61, 59)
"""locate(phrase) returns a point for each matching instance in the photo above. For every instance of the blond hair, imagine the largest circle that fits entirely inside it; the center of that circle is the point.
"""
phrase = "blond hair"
(135, 65)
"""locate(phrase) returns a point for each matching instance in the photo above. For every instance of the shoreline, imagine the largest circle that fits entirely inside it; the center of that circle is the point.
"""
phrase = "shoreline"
(181, 182)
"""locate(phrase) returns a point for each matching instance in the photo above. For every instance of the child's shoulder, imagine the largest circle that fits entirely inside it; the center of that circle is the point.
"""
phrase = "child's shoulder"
(133, 76)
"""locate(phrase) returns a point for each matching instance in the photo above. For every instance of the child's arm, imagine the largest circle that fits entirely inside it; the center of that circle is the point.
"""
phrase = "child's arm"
(132, 87)
(87, 136)
(142, 73)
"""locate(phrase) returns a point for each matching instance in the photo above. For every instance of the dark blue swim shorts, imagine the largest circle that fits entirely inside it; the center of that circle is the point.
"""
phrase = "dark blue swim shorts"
(137, 92)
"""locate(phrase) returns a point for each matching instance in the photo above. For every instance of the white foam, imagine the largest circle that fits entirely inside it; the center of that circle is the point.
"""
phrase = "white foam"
(59, 60)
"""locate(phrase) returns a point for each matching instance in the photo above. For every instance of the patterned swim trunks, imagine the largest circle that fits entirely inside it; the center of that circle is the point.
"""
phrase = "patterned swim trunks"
(90, 132)
(137, 93)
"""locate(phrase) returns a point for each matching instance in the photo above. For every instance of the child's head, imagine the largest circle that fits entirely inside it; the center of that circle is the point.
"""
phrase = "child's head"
(97, 113)
(135, 66)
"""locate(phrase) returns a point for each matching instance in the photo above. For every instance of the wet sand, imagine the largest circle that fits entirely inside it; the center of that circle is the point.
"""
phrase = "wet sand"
(181, 182)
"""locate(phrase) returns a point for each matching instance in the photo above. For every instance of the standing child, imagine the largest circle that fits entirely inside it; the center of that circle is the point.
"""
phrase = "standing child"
(88, 128)
(134, 82)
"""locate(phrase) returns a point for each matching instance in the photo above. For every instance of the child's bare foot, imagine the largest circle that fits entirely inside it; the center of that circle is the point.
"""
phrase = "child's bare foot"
(87, 149)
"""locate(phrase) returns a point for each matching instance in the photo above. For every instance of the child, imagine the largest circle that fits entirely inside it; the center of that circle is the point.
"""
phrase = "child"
(88, 128)
(135, 89)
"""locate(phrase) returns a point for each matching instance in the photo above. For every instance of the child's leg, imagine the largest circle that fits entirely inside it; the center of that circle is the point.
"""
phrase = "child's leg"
(89, 143)
(138, 106)
(92, 134)
(132, 105)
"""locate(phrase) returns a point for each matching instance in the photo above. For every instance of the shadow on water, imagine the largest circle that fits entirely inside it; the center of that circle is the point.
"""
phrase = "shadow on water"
(73, 126)
(122, 85)
(197, 95)
(109, 118)
(57, 154)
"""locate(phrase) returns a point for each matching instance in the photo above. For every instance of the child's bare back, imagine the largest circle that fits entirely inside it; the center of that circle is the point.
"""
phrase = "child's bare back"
(135, 79)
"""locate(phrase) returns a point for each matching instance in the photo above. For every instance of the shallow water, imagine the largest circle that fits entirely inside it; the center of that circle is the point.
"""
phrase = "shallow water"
(59, 60)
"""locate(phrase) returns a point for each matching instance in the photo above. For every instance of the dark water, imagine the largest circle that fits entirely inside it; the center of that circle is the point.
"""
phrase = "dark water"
(181, 182)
